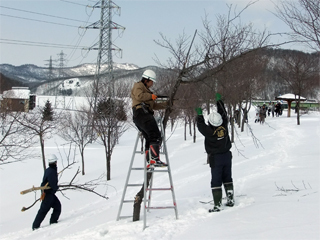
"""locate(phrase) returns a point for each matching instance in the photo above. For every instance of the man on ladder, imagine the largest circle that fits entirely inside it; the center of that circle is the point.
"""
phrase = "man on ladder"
(143, 104)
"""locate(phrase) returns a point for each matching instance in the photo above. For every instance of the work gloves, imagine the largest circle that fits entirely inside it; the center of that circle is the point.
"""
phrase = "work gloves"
(199, 111)
(43, 195)
(154, 97)
(218, 97)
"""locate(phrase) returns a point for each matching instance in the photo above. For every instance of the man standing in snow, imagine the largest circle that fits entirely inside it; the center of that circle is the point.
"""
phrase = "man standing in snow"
(217, 145)
(48, 197)
(263, 114)
(143, 104)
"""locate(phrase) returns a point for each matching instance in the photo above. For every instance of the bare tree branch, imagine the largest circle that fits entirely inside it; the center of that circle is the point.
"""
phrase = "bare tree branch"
(303, 18)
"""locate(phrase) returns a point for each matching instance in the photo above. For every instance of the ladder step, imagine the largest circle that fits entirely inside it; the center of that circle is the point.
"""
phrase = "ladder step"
(137, 168)
(135, 185)
(131, 201)
(158, 189)
(156, 170)
(128, 201)
(160, 207)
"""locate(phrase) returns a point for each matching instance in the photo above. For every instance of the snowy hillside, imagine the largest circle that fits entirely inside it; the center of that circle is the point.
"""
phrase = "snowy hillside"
(275, 173)
(33, 73)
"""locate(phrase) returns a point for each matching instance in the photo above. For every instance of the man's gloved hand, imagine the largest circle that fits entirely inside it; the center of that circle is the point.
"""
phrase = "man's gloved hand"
(154, 97)
(199, 111)
(43, 195)
(218, 96)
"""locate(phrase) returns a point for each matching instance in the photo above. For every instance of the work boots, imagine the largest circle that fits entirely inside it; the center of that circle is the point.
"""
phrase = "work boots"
(228, 187)
(154, 156)
(217, 197)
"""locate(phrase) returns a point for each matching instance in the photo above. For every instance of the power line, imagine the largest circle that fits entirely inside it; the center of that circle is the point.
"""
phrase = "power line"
(74, 3)
(6, 15)
(38, 44)
(43, 14)
(73, 48)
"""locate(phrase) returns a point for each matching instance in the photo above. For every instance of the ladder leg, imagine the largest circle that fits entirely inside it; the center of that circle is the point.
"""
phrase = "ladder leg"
(169, 170)
(145, 196)
(150, 186)
(128, 176)
(171, 182)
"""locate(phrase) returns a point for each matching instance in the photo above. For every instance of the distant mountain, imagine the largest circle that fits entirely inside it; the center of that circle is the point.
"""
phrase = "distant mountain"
(75, 80)
(32, 73)
(71, 80)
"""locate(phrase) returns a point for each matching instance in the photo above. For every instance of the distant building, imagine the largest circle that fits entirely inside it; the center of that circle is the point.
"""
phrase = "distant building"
(17, 99)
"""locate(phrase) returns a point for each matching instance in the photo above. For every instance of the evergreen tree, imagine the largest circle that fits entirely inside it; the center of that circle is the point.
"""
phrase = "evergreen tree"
(47, 113)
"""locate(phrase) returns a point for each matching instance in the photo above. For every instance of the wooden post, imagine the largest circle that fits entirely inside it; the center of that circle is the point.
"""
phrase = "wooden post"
(289, 106)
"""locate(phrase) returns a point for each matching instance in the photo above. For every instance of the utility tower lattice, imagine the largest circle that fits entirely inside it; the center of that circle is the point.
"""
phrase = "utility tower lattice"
(50, 68)
(105, 45)
(50, 71)
(61, 60)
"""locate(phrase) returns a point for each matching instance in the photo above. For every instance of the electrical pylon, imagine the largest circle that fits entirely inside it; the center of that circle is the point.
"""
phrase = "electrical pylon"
(50, 71)
(105, 45)
(62, 61)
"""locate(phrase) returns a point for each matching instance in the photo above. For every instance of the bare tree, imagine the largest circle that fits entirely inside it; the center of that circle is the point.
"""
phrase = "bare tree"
(303, 18)
(38, 123)
(77, 129)
(300, 72)
(15, 139)
(221, 45)
(110, 118)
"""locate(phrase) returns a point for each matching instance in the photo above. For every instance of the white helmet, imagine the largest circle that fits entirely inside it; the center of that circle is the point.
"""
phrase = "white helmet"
(215, 119)
(52, 158)
(149, 74)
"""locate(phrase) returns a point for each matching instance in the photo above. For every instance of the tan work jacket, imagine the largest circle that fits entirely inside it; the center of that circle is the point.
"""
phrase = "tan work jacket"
(140, 93)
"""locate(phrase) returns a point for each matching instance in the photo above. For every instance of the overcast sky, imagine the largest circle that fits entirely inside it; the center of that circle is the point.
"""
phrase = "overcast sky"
(30, 28)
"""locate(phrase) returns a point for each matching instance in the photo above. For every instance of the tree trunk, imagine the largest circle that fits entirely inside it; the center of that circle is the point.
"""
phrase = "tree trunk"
(298, 111)
(194, 131)
(42, 152)
(138, 199)
(239, 116)
(172, 123)
(245, 115)
(231, 123)
(185, 129)
(82, 160)
(108, 154)
(190, 126)
(108, 166)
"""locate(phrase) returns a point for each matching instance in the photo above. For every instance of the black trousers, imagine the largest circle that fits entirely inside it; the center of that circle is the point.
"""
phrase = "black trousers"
(50, 201)
(221, 169)
(148, 126)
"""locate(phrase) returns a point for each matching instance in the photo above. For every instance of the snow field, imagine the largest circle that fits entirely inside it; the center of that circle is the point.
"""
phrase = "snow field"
(276, 189)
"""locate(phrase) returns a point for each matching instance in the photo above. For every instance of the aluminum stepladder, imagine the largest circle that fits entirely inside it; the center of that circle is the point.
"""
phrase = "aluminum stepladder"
(150, 188)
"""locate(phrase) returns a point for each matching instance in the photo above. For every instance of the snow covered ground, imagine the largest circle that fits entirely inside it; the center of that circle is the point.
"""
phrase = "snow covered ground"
(276, 187)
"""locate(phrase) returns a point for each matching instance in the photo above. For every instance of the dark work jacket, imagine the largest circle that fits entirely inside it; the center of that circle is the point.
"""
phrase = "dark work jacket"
(51, 176)
(217, 139)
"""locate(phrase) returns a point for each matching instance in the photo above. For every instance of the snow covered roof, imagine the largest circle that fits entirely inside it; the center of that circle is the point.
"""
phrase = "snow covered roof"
(290, 96)
(17, 93)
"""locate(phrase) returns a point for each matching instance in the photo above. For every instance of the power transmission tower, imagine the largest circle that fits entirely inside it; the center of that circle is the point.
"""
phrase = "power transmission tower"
(61, 61)
(60, 101)
(105, 45)
(50, 71)
(50, 68)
